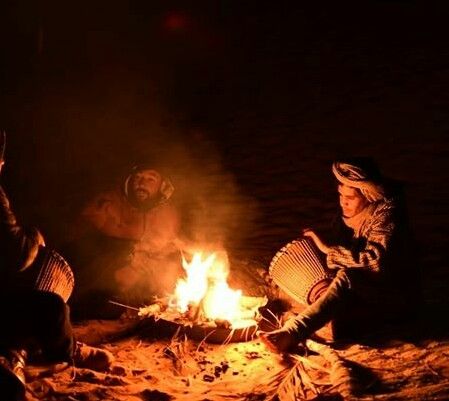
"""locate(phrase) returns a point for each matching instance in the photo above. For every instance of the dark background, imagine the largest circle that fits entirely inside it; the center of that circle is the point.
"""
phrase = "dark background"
(245, 103)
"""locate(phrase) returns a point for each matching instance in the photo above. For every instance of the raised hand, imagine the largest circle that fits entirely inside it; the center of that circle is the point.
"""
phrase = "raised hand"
(320, 244)
(2, 149)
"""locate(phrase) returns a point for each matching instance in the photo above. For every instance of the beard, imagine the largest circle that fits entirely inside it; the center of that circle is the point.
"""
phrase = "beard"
(142, 200)
(141, 194)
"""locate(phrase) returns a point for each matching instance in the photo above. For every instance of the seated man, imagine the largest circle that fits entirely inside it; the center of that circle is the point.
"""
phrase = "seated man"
(135, 228)
(33, 322)
(371, 259)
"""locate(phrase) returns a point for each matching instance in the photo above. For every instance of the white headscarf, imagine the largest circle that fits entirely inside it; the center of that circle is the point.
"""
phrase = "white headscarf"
(356, 177)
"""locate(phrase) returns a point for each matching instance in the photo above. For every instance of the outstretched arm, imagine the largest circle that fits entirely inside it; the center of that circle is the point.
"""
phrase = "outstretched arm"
(105, 214)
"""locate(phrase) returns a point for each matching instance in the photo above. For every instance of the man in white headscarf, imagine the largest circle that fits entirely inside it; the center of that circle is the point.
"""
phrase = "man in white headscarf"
(368, 263)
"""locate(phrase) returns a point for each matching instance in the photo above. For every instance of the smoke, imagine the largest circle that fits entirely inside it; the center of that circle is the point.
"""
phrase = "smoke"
(215, 212)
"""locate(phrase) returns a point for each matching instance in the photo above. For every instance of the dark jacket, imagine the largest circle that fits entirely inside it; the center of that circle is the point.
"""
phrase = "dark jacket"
(18, 245)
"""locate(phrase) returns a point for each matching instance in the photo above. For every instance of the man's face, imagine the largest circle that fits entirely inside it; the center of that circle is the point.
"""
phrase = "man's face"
(145, 185)
(352, 202)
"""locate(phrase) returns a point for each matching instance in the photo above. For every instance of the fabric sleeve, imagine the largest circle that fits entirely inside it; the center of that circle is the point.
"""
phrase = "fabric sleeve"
(20, 245)
(106, 215)
(378, 239)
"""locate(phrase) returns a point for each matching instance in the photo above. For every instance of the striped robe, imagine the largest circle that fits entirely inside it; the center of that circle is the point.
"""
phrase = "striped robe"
(373, 241)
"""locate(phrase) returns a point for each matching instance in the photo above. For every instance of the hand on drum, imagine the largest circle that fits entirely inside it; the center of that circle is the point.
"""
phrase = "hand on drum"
(320, 244)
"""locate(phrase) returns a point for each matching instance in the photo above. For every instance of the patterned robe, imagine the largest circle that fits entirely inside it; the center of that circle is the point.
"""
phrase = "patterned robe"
(373, 241)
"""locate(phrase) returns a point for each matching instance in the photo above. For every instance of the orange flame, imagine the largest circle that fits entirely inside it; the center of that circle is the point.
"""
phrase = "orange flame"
(206, 286)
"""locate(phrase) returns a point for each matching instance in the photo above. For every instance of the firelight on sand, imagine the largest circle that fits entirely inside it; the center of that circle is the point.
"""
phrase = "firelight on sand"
(205, 287)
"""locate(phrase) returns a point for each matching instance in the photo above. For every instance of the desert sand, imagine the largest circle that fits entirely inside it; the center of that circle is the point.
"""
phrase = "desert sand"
(255, 107)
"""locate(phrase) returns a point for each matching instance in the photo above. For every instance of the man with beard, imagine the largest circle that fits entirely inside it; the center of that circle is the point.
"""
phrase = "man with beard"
(374, 273)
(135, 229)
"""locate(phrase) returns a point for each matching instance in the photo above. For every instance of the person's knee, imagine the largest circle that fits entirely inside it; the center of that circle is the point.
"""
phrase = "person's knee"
(355, 278)
(52, 304)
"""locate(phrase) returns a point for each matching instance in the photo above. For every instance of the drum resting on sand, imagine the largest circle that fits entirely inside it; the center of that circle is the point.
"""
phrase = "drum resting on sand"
(300, 271)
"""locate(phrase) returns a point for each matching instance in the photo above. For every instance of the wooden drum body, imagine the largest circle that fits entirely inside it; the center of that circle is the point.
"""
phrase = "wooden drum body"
(51, 273)
(300, 271)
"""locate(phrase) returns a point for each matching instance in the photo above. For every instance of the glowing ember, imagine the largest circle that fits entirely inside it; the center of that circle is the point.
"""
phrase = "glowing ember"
(205, 287)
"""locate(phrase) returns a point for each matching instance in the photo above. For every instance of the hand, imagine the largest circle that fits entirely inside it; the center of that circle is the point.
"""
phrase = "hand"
(278, 340)
(2, 149)
(40, 238)
(320, 244)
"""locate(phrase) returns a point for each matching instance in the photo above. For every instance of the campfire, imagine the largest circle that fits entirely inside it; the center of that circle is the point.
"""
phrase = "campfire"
(203, 298)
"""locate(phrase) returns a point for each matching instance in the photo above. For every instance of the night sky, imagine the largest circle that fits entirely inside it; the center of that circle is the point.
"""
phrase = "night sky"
(264, 95)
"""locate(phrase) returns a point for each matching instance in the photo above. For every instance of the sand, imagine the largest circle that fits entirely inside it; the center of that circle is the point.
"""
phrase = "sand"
(261, 122)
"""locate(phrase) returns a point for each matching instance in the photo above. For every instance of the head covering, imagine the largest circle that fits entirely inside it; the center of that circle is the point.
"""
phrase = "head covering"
(366, 178)
(165, 191)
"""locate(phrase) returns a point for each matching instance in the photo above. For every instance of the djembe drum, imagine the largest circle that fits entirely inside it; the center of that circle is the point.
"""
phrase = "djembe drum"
(299, 270)
(50, 272)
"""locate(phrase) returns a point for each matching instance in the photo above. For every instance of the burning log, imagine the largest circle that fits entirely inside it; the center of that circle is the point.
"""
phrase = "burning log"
(204, 307)
(194, 313)
(150, 310)
(222, 323)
